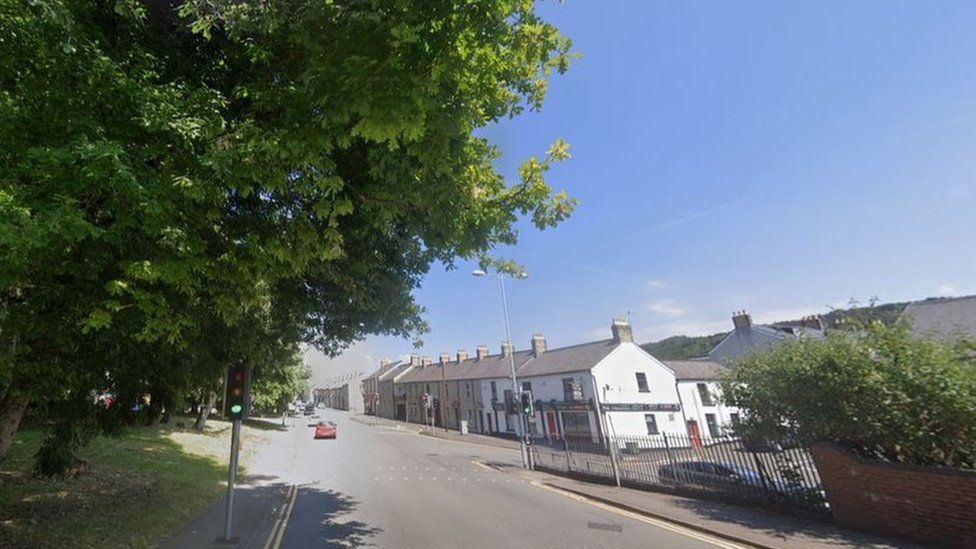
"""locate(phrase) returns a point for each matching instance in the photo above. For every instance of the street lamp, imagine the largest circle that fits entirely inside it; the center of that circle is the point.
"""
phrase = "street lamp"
(516, 392)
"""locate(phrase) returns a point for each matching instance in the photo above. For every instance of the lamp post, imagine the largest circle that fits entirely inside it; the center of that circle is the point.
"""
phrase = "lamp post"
(516, 392)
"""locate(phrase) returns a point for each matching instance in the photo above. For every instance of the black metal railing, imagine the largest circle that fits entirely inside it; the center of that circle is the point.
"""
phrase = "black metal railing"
(776, 473)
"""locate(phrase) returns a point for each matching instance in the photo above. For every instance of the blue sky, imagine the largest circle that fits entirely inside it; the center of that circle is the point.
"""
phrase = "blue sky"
(779, 157)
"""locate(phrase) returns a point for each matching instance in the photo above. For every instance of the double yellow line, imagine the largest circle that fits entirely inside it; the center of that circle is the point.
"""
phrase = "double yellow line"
(278, 529)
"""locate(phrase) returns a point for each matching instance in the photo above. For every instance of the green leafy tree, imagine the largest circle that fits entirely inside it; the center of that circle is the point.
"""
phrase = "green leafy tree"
(172, 172)
(877, 390)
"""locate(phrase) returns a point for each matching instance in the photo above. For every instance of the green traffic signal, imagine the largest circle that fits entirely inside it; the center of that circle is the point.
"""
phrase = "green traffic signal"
(236, 409)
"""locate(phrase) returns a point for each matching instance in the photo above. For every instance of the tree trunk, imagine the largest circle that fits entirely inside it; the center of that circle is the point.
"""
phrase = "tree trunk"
(208, 403)
(12, 408)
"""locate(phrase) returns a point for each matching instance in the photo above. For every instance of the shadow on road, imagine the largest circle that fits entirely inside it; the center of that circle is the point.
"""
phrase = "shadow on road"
(320, 523)
(782, 526)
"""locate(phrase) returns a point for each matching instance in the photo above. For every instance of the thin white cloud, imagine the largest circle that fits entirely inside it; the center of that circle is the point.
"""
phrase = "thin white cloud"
(652, 284)
(666, 307)
(947, 289)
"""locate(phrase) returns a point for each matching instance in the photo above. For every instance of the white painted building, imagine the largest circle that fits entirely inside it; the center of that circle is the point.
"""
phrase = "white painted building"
(610, 387)
(701, 397)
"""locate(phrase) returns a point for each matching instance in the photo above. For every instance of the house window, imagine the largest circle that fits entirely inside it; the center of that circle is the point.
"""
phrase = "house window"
(706, 397)
(642, 383)
(712, 425)
(651, 423)
(572, 390)
(527, 386)
(734, 419)
(467, 390)
(494, 391)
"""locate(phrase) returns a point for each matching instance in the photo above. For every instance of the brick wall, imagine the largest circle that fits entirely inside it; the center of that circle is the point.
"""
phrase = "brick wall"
(927, 504)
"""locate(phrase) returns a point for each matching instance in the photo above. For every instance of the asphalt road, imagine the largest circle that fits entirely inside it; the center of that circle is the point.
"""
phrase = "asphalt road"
(383, 487)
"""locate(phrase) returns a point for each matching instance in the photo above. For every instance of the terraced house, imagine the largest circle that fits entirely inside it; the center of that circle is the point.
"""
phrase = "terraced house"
(581, 392)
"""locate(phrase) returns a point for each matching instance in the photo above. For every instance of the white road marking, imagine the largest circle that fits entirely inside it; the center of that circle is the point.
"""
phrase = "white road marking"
(687, 532)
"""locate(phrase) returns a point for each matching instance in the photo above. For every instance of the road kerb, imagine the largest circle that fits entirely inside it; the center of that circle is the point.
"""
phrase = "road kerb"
(661, 517)
(278, 529)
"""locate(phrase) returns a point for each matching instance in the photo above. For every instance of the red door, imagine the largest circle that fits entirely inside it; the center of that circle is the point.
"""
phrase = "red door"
(694, 434)
(551, 421)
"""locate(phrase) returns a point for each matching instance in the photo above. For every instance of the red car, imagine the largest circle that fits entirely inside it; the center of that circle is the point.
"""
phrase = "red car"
(325, 430)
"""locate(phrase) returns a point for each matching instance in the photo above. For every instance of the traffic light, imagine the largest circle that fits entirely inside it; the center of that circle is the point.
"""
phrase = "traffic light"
(511, 407)
(237, 381)
(528, 408)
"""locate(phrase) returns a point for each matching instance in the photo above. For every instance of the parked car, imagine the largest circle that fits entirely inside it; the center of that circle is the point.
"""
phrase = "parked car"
(759, 444)
(729, 476)
(706, 473)
(325, 430)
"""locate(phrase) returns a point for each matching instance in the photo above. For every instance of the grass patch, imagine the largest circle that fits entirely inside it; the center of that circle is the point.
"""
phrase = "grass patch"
(135, 491)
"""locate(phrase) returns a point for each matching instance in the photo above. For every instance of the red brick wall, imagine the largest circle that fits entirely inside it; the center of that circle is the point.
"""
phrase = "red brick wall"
(927, 504)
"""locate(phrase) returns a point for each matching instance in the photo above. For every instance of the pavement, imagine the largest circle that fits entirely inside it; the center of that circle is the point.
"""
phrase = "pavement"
(383, 484)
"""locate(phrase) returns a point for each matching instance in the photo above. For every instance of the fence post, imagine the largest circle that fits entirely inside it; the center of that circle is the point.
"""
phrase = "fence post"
(612, 448)
(667, 447)
(762, 473)
(569, 467)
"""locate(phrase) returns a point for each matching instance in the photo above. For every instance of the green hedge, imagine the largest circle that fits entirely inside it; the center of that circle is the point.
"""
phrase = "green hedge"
(877, 390)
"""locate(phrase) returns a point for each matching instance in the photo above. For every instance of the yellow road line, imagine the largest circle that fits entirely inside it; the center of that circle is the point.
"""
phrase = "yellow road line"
(687, 532)
(485, 467)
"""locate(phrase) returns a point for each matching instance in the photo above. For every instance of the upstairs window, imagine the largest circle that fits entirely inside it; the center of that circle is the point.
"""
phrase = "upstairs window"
(572, 390)
(706, 396)
(642, 383)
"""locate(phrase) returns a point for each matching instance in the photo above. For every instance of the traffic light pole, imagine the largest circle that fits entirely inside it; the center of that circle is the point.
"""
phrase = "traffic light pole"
(235, 443)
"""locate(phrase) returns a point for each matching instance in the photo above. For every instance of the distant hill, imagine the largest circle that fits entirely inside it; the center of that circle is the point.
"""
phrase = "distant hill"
(682, 347)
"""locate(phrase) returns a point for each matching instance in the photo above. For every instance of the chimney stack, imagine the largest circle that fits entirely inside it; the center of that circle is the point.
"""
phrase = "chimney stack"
(445, 358)
(481, 351)
(622, 332)
(741, 320)
(813, 322)
(506, 348)
(426, 361)
(538, 344)
(462, 355)
(415, 360)
(384, 363)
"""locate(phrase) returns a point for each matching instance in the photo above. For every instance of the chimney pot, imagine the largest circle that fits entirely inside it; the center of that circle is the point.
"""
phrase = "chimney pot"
(445, 358)
(385, 362)
(481, 351)
(741, 320)
(415, 360)
(622, 332)
(538, 344)
(462, 355)
(506, 348)
(426, 361)
(813, 322)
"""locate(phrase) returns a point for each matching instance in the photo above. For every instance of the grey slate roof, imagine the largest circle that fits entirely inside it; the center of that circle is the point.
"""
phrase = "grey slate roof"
(944, 319)
(569, 359)
(743, 341)
(489, 367)
(395, 370)
(696, 369)
(382, 370)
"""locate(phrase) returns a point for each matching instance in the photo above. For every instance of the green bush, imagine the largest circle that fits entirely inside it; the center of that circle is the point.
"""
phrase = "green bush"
(876, 390)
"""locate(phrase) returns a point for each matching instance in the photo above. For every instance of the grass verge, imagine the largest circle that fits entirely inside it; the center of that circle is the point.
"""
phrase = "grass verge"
(134, 492)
